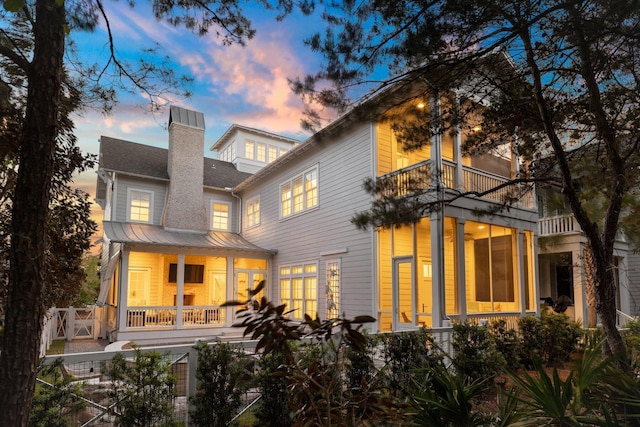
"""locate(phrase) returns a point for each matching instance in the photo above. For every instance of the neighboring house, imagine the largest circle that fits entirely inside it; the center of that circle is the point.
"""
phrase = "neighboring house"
(563, 267)
(182, 234)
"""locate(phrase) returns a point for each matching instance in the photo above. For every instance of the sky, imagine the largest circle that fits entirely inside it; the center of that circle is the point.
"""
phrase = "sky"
(232, 84)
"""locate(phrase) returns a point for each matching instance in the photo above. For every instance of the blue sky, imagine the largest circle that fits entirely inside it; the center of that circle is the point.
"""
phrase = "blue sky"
(232, 84)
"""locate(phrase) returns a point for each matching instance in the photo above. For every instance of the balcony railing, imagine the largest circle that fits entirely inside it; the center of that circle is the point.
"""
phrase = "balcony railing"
(157, 317)
(559, 224)
(417, 178)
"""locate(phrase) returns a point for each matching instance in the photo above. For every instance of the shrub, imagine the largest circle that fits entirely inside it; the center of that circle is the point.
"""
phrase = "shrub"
(530, 348)
(560, 337)
(143, 388)
(631, 338)
(273, 407)
(507, 342)
(475, 354)
(405, 352)
(222, 380)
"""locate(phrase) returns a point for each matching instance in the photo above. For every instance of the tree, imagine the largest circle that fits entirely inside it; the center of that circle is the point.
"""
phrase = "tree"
(559, 74)
(46, 23)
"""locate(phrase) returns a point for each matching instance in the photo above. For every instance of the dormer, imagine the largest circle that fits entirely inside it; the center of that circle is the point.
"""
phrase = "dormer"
(251, 149)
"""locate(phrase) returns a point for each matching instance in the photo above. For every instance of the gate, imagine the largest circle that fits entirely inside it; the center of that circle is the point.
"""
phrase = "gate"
(75, 323)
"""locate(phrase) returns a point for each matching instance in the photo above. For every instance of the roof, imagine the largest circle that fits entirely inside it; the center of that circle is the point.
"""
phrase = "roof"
(135, 159)
(235, 127)
(186, 117)
(154, 235)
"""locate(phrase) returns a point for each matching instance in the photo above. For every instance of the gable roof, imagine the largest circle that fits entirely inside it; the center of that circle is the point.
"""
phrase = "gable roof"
(235, 127)
(131, 158)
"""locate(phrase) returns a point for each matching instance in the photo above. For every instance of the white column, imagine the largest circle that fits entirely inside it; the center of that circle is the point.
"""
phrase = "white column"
(437, 218)
(231, 295)
(457, 148)
(521, 272)
(179, 291)
(123, 294)
(461, 269)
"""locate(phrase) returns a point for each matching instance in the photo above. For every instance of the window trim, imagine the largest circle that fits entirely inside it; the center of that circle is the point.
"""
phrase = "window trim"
(249, 203)
(246, 144)
(291, 200)
(304, 299)
(130, 192)
(212, 216)
(333, 290)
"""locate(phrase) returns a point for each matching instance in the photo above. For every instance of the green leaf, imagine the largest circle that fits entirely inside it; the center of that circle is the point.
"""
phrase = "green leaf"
(13, 5)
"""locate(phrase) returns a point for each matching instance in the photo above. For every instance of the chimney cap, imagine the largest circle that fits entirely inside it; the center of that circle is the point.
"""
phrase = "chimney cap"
(186, 117)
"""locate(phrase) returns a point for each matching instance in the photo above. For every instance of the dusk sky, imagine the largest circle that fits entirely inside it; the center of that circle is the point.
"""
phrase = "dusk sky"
(233, 84)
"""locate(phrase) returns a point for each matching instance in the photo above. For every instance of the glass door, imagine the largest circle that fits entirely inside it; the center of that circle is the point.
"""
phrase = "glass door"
(403, 294)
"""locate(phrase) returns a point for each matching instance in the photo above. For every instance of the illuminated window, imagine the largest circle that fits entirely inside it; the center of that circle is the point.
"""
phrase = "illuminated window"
(140, 205)
(249, 149)
(261, 152)
(299, 289)
(253, 213)
(273, 153)
(300, 193)
(220, 216)
(333, 289)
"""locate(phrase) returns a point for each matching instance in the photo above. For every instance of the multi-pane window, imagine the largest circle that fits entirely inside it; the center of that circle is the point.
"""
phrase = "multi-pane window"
(253, 212)
(261, 152)
(300, 193)
(333, 289)
(273, 153)
(249, 149)
(299, 289)
(140, 203)
(220, 216)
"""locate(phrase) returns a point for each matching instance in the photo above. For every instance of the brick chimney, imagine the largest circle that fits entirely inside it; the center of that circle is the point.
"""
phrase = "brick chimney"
(185, 205)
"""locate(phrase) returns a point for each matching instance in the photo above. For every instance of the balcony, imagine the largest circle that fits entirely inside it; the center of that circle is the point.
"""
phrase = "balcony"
(192, 316)
(417, 178)
(560, 224)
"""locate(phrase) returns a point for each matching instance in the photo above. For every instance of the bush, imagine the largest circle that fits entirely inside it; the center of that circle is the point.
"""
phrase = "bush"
(273, 407)
(406, 352)
(631, 338)
(143, 388)
(475, 354)
(560, 337)
(222, 380)
(530, 348)
(507, 342)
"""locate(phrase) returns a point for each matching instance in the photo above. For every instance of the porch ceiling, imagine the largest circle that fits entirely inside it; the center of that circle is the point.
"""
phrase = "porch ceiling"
(145, 234)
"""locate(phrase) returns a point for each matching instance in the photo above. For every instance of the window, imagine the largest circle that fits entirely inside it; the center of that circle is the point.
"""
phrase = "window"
(253, 212)
(333, 289)
(261, 152)
(193, 273)
(298, 289)
(140, 205)
(249, 149)
(220, 217)
(273, 153)
(300, 193)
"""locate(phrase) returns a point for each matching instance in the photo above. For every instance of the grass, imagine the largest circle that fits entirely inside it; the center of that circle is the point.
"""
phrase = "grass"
(57, 347)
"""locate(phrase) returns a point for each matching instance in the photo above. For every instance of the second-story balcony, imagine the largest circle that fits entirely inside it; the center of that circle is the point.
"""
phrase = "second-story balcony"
(559, 224)
(418, 178)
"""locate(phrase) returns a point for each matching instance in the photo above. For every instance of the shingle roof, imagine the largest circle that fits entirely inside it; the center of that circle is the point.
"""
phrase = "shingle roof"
(144, 160)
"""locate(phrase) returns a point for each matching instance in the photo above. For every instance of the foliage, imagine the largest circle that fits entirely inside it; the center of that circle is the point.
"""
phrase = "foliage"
(632, 340)
(531, 341)
(507, 342)
(222, 380)
(91, 284)
(143, 388)
(360, 367)
(476, 357)
(444, 399)
(560, 337)
(56, 396)
(273, 407)
(407, 352)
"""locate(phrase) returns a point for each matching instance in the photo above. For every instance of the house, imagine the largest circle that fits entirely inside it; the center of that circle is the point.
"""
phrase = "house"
(563, 263)
(183, 233)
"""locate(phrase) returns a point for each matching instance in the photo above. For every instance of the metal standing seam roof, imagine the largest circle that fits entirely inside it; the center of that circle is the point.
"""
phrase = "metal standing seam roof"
(134, 233)
(186, 117)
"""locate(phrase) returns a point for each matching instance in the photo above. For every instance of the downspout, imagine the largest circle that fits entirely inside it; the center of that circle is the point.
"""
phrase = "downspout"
(230, 191)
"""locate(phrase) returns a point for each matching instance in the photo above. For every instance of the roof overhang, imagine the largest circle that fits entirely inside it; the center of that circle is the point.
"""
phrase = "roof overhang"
(145, 235)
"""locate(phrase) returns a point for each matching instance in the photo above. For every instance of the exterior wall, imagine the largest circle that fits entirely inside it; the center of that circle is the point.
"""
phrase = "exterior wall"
(633, 274)
(211, 196)
(123, 183)
(324, 233)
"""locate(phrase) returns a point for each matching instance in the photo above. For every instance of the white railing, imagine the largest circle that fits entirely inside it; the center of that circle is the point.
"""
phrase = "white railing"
(623, 318)
(558, 225)
(417, 178)
(160, 316)
(488, 318)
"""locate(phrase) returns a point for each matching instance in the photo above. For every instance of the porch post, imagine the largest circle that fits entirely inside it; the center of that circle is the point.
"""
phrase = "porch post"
(179, 291)
(437, 217)
(124, 290)
(521, 272)
(457, 148)
(231, 295)
(460, 269)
